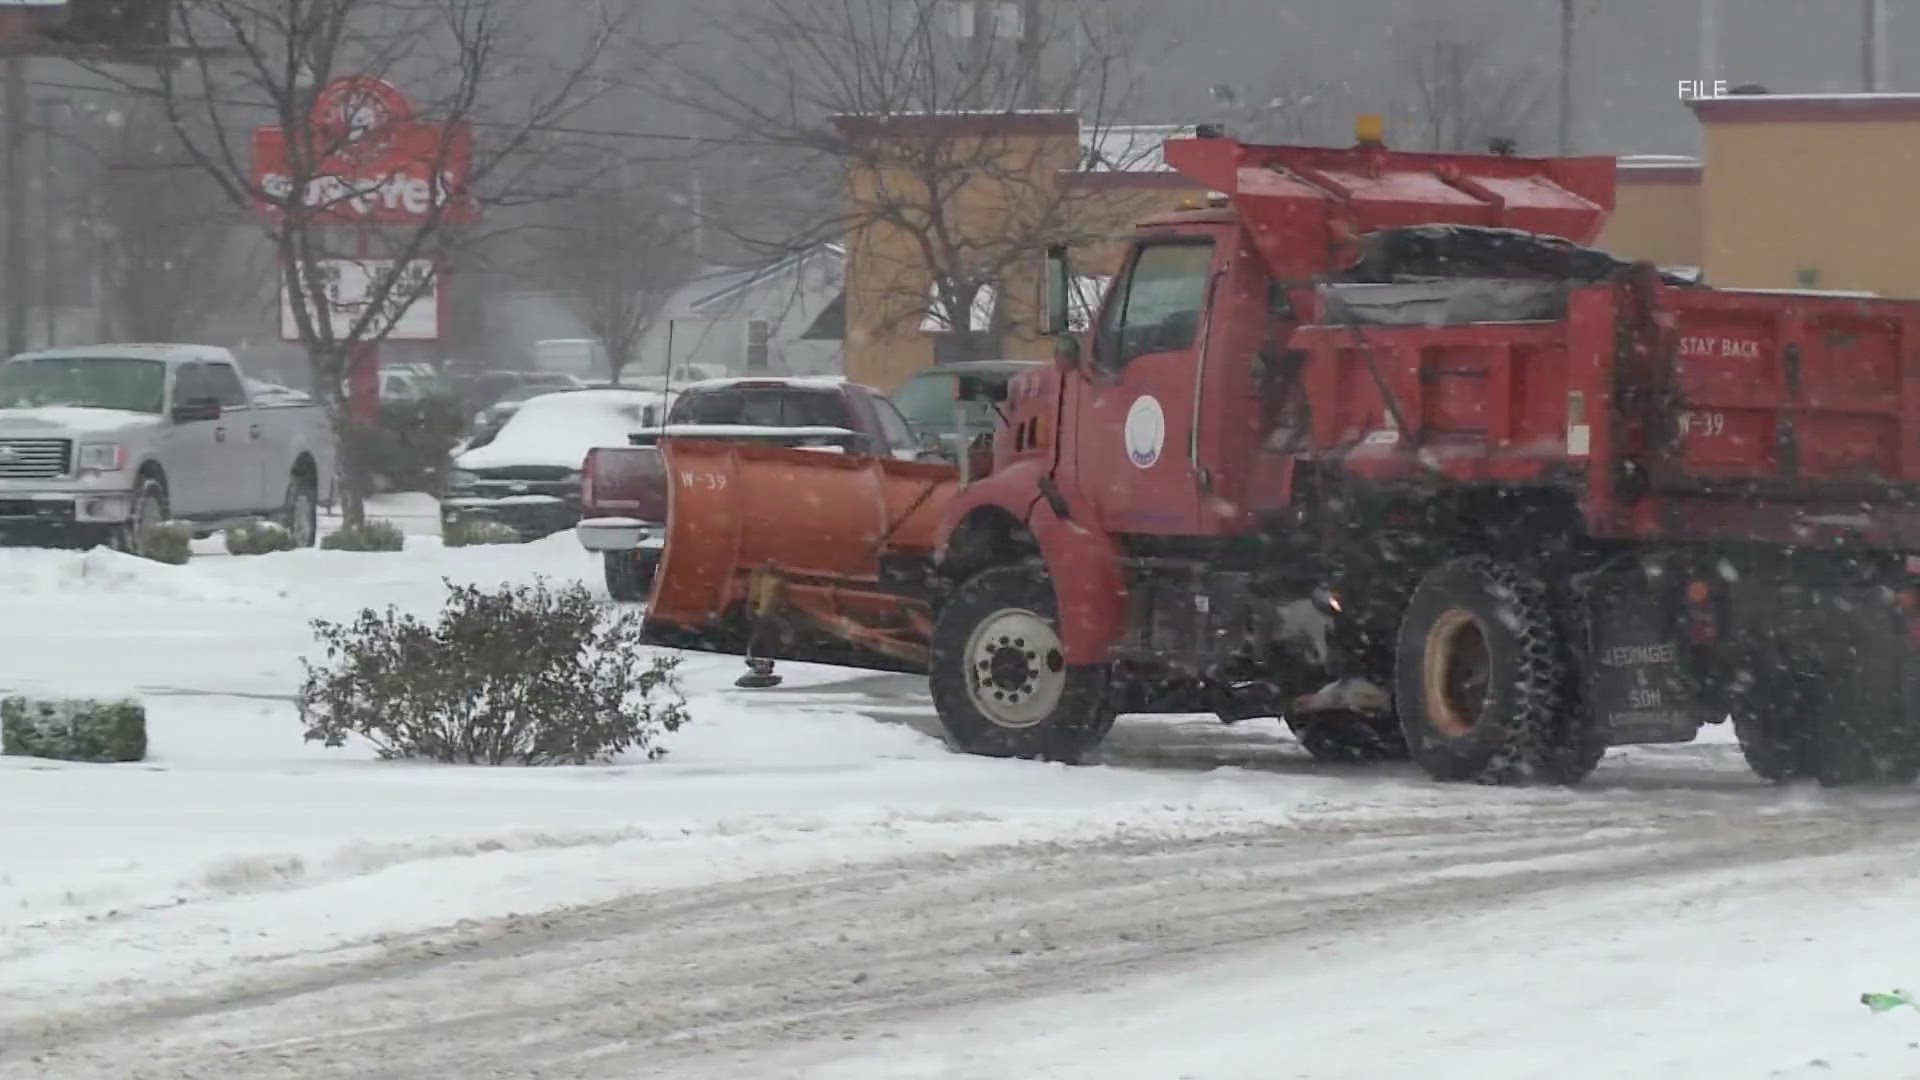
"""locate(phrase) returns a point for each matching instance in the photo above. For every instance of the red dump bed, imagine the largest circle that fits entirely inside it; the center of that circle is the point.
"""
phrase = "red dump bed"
(1675, 412)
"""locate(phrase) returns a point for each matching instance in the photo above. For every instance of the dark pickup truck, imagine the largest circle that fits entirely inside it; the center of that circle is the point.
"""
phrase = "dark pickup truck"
(624, 488)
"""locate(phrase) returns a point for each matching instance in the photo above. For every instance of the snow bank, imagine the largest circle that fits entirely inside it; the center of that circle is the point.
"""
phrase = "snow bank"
(37, 573)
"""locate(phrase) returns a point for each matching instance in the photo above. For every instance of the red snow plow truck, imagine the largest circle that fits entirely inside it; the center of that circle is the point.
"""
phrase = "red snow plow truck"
(1373, 442)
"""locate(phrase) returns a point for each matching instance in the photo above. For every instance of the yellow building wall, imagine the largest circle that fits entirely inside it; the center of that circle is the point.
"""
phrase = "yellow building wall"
(1827, 203)
(889, 280)
(1661, 221)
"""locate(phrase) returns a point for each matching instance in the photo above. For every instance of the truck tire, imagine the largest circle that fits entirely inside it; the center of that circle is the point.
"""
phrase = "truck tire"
(1484, 682)
(1828, 701)
(149, 508)
(300, 513)
(1351, 738)
(1773, 721)
(998, 677)
(628, 578)
(1863, 730)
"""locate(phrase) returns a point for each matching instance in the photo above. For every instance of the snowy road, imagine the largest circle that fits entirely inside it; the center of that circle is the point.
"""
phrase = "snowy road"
(1326, 936)
(810, 885)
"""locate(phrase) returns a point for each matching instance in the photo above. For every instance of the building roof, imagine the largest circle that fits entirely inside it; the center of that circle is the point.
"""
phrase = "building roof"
(1129, 147)
(728, 284)
(1816, 108)
(1658, 169)
(957, 124)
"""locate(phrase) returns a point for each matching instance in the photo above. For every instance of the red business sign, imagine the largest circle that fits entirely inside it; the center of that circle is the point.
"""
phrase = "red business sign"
(375, 162)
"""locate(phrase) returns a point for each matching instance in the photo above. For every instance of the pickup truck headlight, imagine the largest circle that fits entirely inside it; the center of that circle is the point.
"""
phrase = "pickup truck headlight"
(461, 478)
(101, 457)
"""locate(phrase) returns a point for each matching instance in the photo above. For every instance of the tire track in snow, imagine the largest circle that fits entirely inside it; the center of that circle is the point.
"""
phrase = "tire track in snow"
(677, 981)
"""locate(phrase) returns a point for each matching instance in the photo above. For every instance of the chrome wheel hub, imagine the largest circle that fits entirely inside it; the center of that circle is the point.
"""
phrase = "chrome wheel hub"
(1016, 673)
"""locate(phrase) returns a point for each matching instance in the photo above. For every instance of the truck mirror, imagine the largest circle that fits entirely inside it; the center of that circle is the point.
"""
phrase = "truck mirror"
(1066, 351)
(1059, 287)
(974, 388)
(196, 409)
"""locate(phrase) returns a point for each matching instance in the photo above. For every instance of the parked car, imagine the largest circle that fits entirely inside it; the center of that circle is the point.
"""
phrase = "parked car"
(528, 476)
(488, 421)
(930, 400)
(98, 442)
(624, 505)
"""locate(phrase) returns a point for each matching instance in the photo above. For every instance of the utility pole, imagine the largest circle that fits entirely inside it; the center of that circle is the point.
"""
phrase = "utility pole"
(1566, 77)
(1709, 41)
(1873, 46)
(18, 267)
(49, 264)
(1030, 50)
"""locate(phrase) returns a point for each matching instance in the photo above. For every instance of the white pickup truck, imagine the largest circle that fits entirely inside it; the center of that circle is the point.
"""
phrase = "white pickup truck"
(98, 442)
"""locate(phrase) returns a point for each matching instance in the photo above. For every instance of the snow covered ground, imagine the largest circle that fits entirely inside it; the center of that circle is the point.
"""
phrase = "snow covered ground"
(268, 881)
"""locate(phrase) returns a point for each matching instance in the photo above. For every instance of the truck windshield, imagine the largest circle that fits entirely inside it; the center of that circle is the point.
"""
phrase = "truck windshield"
(927, 401)
(762, 406)
(90, 382)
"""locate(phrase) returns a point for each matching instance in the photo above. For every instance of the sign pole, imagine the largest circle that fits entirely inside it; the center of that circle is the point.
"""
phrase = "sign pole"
(363, 360)
(19, 263)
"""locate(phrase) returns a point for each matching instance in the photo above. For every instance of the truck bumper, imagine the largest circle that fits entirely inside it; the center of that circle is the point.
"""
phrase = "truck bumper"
(31, 516)
(619, 534)
(532, 516)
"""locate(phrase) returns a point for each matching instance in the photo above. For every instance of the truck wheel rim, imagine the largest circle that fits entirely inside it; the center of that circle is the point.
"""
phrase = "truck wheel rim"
(1458, 670)
(146, 514)
(300, 520)
(1016, 672)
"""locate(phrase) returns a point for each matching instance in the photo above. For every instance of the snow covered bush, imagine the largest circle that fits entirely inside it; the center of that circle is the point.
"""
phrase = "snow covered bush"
(375, 535)
(258, 538)
(464, 530)
(73, 729)
(169, 542)
(522, 674)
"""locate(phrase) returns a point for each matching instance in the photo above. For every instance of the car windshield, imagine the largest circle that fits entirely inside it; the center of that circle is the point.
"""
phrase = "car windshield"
(762, 406)
(927, 402)
(92, 382)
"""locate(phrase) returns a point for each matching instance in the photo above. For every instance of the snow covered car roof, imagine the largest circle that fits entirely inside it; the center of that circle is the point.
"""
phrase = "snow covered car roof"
(805, 382)
(171, 353)
(558, 429)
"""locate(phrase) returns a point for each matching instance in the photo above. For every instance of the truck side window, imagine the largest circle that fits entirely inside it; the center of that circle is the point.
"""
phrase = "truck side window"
(223, 382)
(894, 427)
(1158, 307)
(190, 384)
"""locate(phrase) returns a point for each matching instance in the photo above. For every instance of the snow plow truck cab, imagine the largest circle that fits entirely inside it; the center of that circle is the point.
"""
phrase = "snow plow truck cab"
(1374, 443)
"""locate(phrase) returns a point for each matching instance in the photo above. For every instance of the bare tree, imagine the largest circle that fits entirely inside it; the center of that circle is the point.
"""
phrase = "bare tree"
(915, 124)
(1289, 109)
(619, 255)
(492, 81)
(1462, 95)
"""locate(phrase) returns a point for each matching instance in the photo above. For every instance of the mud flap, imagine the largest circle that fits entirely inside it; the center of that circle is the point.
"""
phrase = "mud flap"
(1637, 682)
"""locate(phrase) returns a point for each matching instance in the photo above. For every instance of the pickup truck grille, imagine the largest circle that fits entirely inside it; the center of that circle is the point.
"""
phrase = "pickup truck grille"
(35, 459)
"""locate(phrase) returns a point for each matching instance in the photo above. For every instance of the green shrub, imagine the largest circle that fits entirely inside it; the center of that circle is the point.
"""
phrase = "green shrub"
(465, 530)
(73, 729)
(411, 446)
(169, 542)
(373, 536)
(258, 538)
(519, 675)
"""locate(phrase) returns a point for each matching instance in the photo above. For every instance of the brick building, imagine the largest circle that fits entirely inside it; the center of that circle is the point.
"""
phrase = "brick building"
(1793, 191)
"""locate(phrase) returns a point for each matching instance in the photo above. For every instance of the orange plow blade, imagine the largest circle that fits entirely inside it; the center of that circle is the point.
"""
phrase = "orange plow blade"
(798, 554)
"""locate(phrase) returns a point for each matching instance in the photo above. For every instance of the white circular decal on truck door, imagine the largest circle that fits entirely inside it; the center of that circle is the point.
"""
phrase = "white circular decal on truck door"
(1146, 431)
